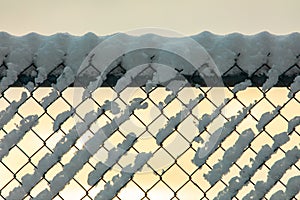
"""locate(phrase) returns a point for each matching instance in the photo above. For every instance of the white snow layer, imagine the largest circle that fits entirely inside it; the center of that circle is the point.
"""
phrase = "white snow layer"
(293, 123)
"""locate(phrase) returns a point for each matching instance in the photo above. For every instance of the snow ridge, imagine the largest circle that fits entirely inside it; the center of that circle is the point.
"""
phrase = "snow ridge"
(230, 156)
(276, 172)
(119, 181)
(48, 52)
(16, 135)
(114, 156)
(236, 183)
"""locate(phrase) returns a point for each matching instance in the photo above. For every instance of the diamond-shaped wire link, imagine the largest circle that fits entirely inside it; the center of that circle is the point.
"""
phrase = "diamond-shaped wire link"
(180, 179)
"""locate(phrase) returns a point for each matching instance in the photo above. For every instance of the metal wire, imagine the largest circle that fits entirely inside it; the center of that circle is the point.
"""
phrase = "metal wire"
(191, 175)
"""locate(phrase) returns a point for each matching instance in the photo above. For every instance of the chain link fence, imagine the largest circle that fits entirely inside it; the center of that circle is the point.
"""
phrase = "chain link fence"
(179, 177)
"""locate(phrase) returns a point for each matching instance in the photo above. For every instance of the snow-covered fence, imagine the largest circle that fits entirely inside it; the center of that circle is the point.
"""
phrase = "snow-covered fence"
(55, 147)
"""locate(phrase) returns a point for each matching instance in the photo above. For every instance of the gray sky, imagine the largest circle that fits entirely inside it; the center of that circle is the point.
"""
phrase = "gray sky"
(187, 17)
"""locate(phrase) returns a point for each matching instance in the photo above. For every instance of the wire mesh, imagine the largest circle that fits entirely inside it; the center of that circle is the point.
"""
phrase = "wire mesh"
(180, 178)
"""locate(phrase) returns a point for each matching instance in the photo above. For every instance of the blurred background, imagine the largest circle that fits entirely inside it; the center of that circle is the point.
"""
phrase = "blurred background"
(187, 17)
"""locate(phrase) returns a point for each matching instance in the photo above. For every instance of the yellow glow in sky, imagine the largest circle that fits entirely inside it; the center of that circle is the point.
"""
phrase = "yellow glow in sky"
(187, 17)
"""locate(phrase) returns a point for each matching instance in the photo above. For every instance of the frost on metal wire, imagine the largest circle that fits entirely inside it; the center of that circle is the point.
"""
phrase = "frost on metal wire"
(206, 119)
(293, 123)
(61, 147)
(241, 86)
(47, 100)
(295, 86)
(266, 118)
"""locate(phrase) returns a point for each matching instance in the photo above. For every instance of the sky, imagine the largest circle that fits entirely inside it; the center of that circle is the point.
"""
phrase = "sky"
(185, 17)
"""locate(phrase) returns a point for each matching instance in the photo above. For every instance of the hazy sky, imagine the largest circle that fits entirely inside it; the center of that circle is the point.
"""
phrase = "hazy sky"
(187, 17)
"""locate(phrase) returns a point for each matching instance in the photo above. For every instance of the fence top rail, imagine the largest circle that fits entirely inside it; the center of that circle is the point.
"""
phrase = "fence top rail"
(237, 57)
